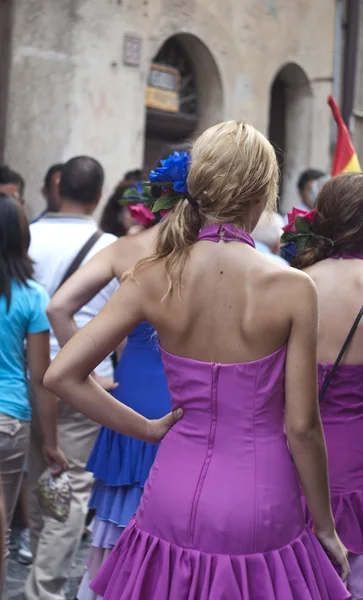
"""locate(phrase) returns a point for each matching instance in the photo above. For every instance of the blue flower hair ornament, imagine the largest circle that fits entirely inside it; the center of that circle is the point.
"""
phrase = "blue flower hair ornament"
(174, 169)
(167, 185)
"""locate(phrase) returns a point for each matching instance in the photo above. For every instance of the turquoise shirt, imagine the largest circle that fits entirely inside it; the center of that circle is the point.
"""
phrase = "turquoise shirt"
(27, 314)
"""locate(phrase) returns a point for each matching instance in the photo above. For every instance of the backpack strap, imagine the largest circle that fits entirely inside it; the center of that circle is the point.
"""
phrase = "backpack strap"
(79, 258)
(341, 354)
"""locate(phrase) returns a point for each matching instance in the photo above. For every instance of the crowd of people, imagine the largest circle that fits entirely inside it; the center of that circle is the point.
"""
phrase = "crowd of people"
(199, 452)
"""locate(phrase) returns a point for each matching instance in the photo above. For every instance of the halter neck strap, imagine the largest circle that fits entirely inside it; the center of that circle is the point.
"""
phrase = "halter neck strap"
(225, 232)
(348, 255)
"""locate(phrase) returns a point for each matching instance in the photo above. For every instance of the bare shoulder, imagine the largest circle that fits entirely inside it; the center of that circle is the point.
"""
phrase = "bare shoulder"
(295, 289)
(150, 276)
(283, 274)
(300, 295)
(301, 283)
(124, 253)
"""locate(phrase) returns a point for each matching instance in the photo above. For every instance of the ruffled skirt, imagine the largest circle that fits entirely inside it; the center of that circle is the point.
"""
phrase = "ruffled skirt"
(143, 566)
(114, 509)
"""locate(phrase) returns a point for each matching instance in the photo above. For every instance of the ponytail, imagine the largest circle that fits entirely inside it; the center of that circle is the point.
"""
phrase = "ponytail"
(323, 248)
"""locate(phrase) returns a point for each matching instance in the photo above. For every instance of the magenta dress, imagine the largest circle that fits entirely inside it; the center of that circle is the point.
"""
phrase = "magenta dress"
(342, 417)
(221, 515)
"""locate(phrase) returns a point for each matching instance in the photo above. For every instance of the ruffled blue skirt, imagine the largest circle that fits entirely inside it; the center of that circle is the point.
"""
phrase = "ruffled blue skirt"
(121, 464)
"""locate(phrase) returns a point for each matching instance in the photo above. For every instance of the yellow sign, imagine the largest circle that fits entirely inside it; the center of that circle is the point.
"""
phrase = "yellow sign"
(162, 100)
(162, 91)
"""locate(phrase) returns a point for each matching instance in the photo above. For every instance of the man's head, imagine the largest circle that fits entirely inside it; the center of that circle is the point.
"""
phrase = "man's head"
(50, 189)
(305, 183)
(81, 184)
(12, 183)
(268, 230)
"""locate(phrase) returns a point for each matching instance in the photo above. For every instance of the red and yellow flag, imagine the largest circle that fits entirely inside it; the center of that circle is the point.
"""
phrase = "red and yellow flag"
(345, 156)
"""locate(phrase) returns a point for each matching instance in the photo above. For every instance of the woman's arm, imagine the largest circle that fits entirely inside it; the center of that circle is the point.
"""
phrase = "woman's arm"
(77, 291)
(38, 362)
(68, 376)
(303, 424)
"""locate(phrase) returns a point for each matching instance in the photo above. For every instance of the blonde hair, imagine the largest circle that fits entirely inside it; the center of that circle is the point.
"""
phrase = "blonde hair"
(232, 165)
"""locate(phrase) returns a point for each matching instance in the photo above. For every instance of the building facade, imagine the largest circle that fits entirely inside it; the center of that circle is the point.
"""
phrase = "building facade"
(77, 79)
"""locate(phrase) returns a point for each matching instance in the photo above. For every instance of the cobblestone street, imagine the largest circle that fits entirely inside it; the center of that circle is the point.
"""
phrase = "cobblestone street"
(17, 574)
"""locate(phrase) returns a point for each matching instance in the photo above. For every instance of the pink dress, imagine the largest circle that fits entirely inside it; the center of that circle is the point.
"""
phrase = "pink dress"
(221, 515)
(342, 417)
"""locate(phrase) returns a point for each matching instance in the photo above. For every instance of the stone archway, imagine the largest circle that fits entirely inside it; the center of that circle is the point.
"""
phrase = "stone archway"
(290, 127)
(200, 102)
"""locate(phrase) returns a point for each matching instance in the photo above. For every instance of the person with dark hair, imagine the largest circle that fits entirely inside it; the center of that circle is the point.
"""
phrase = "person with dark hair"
(334, 261)
(50, 189)
(60, 242)
(115, 218)
(82, 181)
(304, 186)
(23, 317)
(12, 183)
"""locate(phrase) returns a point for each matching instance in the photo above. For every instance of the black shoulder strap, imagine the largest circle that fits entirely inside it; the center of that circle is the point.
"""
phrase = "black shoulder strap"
(77, 261)
(340, 355)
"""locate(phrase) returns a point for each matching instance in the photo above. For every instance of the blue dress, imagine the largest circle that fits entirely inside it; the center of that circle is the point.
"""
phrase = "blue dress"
(121, 464)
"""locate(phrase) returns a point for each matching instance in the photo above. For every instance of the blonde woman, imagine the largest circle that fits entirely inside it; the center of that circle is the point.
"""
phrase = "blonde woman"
(221, 514)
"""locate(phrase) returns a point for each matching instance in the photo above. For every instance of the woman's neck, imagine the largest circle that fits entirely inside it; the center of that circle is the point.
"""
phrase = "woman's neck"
(245, 226)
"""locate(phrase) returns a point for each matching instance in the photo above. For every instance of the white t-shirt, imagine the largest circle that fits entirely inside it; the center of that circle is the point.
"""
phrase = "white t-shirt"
(56, 240)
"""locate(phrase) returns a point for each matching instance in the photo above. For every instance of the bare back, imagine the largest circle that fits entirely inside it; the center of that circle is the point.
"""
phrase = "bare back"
(340, 297)
(234, 304)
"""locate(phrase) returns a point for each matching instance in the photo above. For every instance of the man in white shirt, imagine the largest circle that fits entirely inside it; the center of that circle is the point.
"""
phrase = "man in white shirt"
(267, 234)
(56, 240)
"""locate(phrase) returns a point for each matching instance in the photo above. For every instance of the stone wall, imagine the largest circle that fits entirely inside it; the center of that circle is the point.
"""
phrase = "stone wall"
(70, 92)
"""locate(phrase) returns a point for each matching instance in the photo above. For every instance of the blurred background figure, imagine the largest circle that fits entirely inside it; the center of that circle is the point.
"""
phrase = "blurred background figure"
(12, 183)
(23, 318)
(305, 184)
(267, 235)
(57, 240)
(50, 189)
(117, 219)
(25, 555)
(135, 175)
(316, 186)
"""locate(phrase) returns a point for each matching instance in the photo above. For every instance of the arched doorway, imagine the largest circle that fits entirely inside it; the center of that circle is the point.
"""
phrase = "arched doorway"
(290, 127)
(184, 96)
